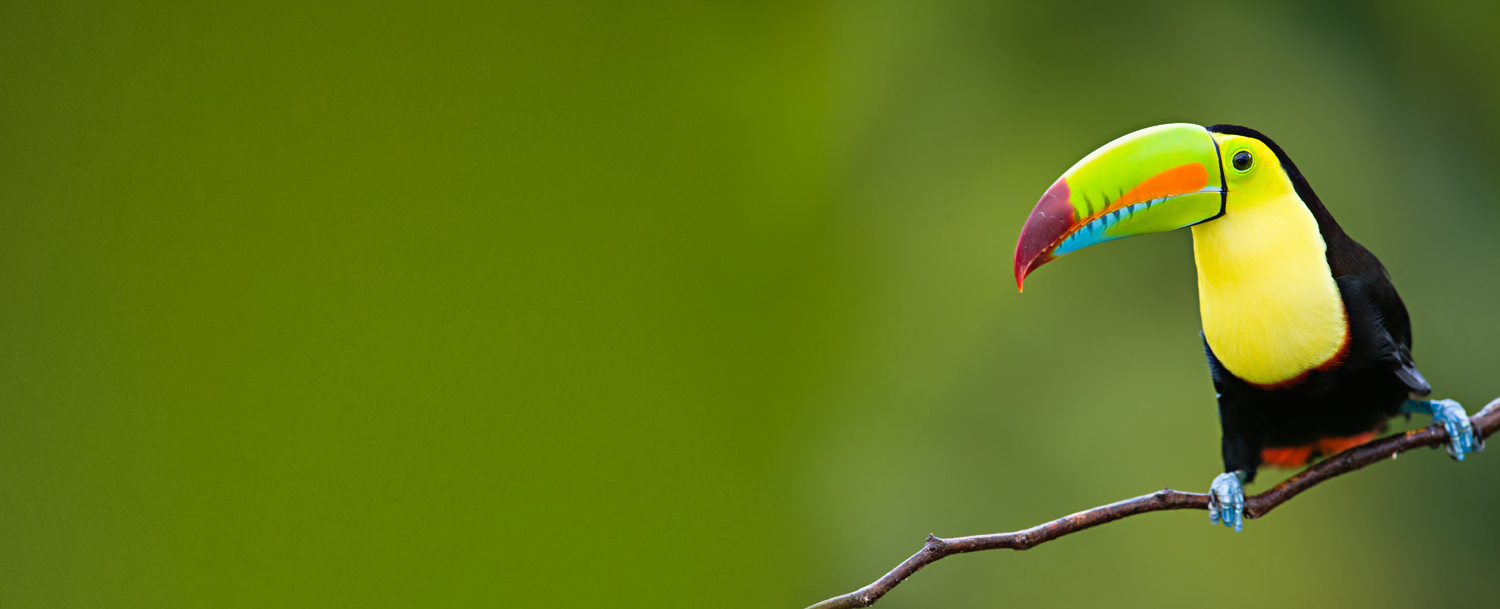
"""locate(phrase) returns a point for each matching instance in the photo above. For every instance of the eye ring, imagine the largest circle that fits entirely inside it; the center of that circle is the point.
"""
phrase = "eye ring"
(1242, 160)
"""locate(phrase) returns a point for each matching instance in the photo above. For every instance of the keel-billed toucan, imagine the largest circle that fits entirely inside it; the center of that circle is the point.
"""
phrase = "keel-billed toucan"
(1307, 341)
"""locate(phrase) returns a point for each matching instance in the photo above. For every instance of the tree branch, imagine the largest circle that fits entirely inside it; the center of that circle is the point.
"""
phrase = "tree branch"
(1485, 422)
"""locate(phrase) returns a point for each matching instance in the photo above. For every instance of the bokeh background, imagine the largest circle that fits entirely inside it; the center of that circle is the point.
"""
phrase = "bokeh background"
(680, 304)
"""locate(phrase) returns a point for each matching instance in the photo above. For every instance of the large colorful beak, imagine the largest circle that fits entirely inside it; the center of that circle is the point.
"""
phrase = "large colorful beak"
(1154, 180)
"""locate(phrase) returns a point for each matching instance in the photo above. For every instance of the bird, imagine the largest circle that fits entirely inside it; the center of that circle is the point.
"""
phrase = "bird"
(1308, 343)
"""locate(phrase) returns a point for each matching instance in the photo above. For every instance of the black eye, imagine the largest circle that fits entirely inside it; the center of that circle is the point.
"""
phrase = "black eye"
(1242, 160)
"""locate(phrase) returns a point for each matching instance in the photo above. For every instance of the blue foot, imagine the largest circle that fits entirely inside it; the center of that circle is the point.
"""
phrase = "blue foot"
(1449, 414)
(1226, 501)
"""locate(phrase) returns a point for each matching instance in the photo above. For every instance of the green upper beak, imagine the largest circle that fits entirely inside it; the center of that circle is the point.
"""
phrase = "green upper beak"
(1154, 180)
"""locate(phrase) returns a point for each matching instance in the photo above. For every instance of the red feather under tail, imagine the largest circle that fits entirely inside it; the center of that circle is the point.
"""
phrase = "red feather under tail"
(1297, 456)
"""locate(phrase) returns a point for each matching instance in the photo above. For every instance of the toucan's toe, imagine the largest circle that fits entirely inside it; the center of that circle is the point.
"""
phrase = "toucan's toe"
(1226, 501)
(1461, 436)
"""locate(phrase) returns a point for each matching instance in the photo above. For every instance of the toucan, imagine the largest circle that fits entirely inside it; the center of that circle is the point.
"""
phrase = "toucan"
(1308, 343)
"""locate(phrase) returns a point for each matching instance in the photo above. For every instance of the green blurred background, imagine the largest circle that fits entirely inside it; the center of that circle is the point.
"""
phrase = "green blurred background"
(678, 304)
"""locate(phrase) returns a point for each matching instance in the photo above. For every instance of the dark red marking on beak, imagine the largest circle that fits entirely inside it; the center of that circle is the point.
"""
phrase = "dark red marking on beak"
(1048, 223)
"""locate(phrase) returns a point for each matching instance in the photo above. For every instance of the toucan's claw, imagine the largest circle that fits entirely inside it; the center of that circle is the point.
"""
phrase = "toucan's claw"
(1461, 436)
(1226, 501)
(1462, 439)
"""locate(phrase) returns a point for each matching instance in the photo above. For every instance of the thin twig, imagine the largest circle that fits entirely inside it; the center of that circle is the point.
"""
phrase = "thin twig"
(1485, 422)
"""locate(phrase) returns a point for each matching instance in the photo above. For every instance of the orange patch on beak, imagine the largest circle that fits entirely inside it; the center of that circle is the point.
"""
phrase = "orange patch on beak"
(1191, 177)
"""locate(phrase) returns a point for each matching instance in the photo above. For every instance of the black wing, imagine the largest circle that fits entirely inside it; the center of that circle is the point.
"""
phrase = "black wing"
(1370, 299)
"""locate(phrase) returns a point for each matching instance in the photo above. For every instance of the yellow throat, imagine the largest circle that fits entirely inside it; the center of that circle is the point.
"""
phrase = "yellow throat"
(1271, 310)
